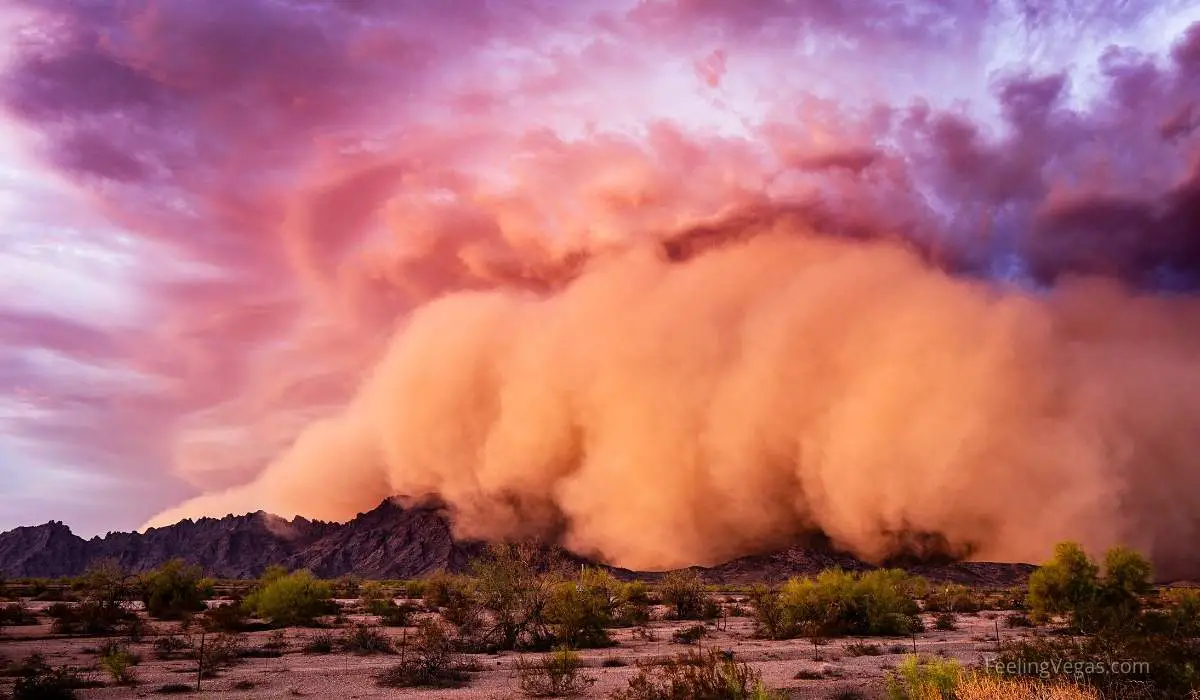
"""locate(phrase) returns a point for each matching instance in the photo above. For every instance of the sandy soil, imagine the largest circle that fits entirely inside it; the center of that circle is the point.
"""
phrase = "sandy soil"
(341, 675)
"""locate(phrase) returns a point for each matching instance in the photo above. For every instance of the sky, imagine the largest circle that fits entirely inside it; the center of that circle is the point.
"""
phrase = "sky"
(213, 216)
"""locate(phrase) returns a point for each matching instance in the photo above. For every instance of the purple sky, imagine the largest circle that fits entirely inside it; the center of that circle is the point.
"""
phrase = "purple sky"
(208, 211)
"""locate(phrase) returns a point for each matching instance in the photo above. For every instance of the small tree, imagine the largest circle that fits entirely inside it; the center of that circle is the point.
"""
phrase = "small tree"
(580, 610)
(1070, 584)
(292, 599)
(174, 590)
(684, 592)
(509, 587)
(1066, 585)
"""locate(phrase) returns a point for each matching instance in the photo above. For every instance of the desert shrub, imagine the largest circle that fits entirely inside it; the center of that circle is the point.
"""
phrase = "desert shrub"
(215, 652)
(112, 646)
(553, 675)
(277, 640)
(292, 599)
(770, 619)
(394, 615)
(365, 639)
(947, 622)
(90, 617)
(118, 663)
(174, 590)
(1182, 612)
(1067, 584)
(104, 582)
(442, 588)
(35, 680)
(16, 615)
(348, 586)
(174, 689)
(863, 649)
(634, 606)
(689, 635)
(1157, 663)
(1018, 620)
(695, 676)
(414, 589)
(374, 597)
(1070, 584)
(428, 660)
(684, 593)
(230, 617)
(953, 598)
(838, 603)
(509, 587)
(170, 646)
(319, 643)
(579, 611)
(916, 679)
(984, 687)
(636, 592)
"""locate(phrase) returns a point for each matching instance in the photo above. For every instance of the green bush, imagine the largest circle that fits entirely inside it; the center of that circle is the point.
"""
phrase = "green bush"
(914, 679)
(838, 603)
(554, 675)
(291, 599)
(578, 611)
(174, 590)
(119, 663)
(1070, 584)
(684, 593)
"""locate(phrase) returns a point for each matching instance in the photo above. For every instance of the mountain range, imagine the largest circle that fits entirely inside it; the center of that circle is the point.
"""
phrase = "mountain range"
(392, 541)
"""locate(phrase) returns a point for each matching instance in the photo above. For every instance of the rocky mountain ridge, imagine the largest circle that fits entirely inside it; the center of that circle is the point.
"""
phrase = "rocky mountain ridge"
(392, 541)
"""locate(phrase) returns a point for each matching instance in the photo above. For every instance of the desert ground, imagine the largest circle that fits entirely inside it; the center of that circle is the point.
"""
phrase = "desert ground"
(797, 668)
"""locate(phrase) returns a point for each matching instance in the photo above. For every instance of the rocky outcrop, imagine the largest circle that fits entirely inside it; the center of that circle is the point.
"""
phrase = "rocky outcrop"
(392, 541)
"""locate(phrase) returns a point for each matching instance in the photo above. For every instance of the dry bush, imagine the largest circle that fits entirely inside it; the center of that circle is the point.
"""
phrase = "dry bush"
(428, 660)
(365, 639)
(953, 598)
(319, 643)
(215, 652)
(696, 676)
(689, 635)
(17, 615)
(553, 675)
(35, 680)
(982, 687)
(946, 622)
(169, 646)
